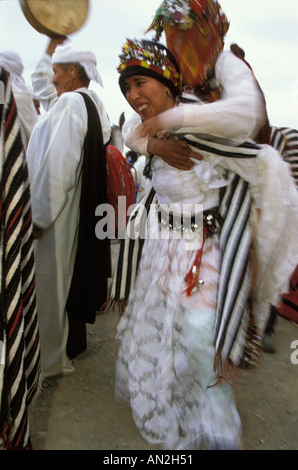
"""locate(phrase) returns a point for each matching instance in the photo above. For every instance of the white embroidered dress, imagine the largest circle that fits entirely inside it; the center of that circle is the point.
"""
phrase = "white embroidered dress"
(165, 366)
(166, 356)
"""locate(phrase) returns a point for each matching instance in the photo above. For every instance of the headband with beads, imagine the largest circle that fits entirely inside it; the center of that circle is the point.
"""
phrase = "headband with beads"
(151, 58)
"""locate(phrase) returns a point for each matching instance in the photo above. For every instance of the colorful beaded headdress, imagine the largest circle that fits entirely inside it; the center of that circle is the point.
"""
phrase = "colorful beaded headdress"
(152, 59)
(194, 33)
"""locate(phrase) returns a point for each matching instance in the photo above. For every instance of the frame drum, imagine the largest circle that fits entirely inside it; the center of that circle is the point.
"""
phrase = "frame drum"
(55, 17)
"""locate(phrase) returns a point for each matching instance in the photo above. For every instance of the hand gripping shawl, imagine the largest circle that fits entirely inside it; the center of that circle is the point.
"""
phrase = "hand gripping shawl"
(236, 340)
(20, 368)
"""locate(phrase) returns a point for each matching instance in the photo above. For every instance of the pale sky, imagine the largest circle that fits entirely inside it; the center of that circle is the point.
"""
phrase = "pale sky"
(266, 29)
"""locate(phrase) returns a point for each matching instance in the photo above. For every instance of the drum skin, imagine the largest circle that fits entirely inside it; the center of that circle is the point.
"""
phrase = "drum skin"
(55, 18)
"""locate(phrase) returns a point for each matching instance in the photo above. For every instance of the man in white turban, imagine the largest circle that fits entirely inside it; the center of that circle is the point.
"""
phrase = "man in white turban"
(42, 85)
(68, 181)
(66, 54)
(12, 63)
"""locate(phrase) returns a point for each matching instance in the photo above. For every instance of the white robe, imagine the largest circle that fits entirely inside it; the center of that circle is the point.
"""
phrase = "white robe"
(54, 158)
(42, 85)
(28, 116)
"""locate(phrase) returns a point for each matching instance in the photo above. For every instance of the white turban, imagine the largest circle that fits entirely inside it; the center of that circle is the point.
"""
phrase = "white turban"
(12, 63)
(67, 54)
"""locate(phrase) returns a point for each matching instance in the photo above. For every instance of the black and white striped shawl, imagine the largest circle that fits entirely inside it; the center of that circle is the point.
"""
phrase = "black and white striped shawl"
(20, 367)
(232, 317)
(285, 140)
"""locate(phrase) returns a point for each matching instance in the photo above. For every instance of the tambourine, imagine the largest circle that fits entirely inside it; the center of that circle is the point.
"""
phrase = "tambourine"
(56, 17)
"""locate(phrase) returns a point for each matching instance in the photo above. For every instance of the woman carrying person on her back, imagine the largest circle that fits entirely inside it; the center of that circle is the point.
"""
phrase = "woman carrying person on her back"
(178, 337)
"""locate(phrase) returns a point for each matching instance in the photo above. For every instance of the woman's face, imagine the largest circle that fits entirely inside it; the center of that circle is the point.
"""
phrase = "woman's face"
(147, 96)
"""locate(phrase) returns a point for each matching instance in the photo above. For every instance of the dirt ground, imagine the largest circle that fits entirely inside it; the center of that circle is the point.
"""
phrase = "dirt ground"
(79, 412)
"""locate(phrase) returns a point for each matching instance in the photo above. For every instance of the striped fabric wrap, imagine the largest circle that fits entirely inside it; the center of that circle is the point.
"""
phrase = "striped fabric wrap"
(20, 367)
(285, 140)
(233, 338)
(130, 251)
(236, 341)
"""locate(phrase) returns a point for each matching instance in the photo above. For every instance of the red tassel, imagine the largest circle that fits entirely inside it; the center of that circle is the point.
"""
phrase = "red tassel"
(191, 277)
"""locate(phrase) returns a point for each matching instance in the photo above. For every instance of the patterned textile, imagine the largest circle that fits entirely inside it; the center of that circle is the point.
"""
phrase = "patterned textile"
(234, 283)
(194, 33)
(232, 319)
(285, 140)
(120, 182)
(130, 252)
(20, 367)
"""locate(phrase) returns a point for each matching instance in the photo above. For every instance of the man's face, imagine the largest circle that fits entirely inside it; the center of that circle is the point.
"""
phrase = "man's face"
(63, 78)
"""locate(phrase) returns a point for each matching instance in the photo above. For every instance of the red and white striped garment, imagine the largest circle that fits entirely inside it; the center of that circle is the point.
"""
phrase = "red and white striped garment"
(20, 368)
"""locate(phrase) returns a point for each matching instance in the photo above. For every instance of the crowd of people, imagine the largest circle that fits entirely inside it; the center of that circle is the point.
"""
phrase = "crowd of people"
(205, 257)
